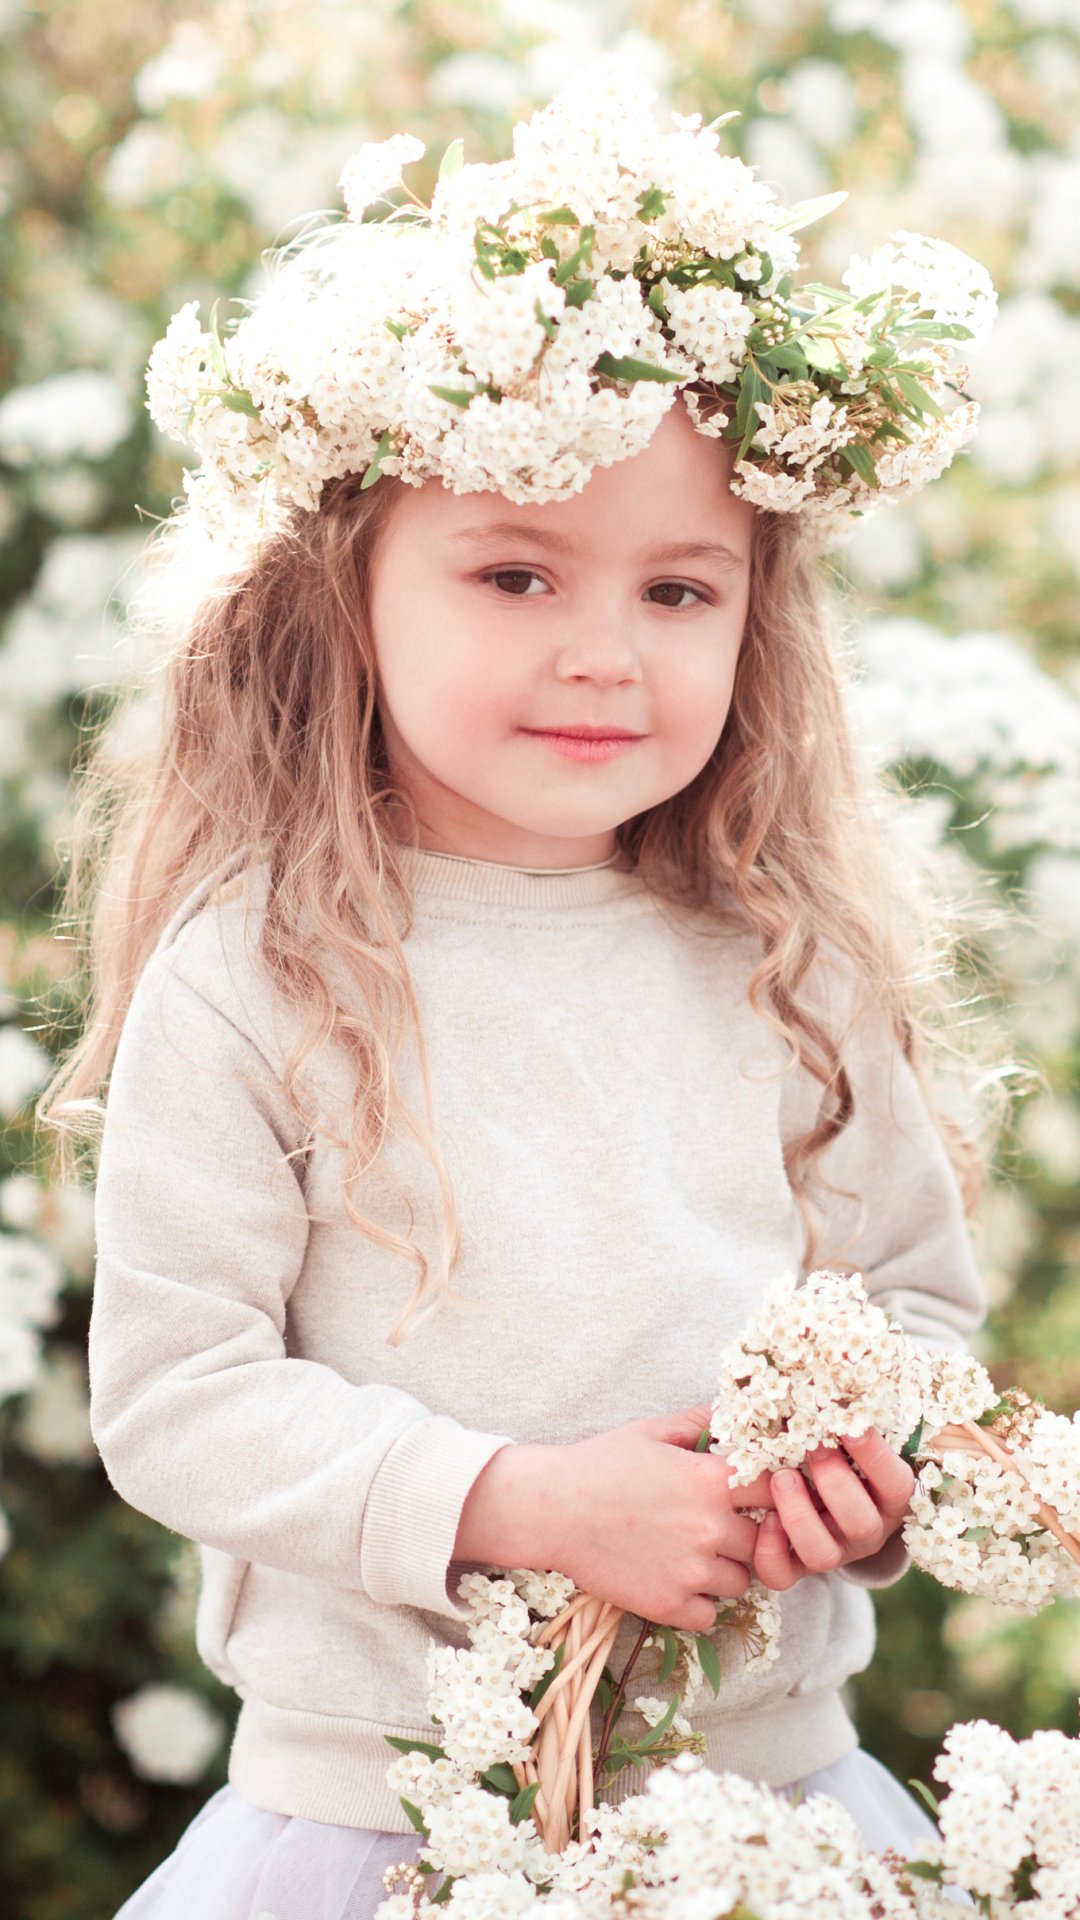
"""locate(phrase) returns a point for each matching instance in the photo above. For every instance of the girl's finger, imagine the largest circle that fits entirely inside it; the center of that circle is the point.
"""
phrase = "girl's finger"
(774, 1563)
(812, 1534)
(848, 1500)
(758, 1494)
(888, 1475)
(730, 1579)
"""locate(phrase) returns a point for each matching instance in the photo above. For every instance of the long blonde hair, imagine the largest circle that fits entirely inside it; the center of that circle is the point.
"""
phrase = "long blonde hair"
(267, 741)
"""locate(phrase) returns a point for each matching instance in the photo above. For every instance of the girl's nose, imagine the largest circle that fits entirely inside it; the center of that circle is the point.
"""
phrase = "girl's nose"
(599, 648)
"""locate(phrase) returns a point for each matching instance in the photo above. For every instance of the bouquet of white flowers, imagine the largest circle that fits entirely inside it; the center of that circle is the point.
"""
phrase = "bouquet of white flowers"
(1010, 1827)
(515, 1704)
(696, 1845)
(996, 1507)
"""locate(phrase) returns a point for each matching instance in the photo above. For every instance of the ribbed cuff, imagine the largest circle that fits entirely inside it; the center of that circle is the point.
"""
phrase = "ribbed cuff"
(413, 1509)
(882, 1569)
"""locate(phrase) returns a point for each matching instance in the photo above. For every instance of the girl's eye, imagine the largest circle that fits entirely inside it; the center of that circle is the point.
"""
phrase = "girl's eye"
(513, 580)
(676, 587)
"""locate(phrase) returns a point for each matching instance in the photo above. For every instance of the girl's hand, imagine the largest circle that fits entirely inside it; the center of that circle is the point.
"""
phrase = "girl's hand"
(633, 1515)
(855, 1517)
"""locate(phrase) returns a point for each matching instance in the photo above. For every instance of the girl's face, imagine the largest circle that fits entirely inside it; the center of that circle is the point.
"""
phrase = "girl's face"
(500, 631)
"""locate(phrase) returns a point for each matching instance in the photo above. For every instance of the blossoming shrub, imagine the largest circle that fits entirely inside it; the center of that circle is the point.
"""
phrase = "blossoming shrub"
(160, 147)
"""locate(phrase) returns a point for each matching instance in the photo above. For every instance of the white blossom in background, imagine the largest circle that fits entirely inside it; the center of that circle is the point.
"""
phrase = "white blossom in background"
(168, 1733)
(31, 1280)
(62, 1216)
(478, 80)
(54, 1421)
(150, 159)
(822, 100)
(188, 68)
(66, 633)
(84, 415)
(24, 1067)
(271, 164)
(978, 706)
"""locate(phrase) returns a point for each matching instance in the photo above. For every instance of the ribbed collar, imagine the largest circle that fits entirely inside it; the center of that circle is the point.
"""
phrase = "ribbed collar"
(481, 882)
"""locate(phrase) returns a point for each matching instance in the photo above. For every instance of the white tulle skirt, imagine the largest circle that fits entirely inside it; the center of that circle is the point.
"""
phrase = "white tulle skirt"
(235, 1862)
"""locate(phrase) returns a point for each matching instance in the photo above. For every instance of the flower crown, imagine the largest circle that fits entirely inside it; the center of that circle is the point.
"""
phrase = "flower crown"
(543, 314)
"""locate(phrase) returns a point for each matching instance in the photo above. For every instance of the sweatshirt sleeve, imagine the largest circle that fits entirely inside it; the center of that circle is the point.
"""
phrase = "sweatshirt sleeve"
(892, 1207)
(202, 1417)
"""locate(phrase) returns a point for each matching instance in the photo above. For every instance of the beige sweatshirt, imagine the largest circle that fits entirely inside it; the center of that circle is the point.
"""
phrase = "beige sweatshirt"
(613, 1120)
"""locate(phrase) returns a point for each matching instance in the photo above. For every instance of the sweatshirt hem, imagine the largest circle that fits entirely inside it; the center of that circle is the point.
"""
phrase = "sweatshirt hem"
(332, 1768)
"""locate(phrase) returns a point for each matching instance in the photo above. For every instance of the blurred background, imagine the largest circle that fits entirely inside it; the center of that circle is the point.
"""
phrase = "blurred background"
(149, 153)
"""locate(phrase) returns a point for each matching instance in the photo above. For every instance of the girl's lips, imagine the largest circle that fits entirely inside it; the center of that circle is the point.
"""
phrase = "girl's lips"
(586, 746)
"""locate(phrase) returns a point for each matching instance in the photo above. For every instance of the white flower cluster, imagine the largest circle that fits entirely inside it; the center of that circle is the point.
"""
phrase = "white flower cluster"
(820, 1361)
(477, 1691)
(975, 1523)
(541, 317)
(1010, 1826)
(752, 1622)
(694, 1844)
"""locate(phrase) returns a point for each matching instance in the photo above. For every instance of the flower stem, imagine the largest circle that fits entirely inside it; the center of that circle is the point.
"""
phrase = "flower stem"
(618, 1698)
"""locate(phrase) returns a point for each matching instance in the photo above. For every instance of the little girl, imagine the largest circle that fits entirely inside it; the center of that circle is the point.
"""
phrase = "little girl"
(503, 977)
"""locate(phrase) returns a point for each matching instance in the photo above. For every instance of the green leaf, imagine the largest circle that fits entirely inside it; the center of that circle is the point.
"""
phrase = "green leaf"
(710, 1660)
(238, 401)
(522, 1804)
(703, 1441)
(656, 1734)
(923, 1869)
(558, 217)
(457, 396)
(929, 1799)
(217, 351)
(977, 1533)
(722, 120)
(631, 370)
(577, 294)
(415, 1817)
(788, 357)
(546, 1679)
(551, 327)
(440, 1899)
(579, 258)
(370, 477)
(915, 393)
(751, 390)
(453, 160)
(994, 1413)
(822, 354)
(938, 329)
(859, 459)
(414, 1746)
(651, 204)
(671, 1655)
(911, 1445)
(500, 1778)
(397, 328)
(807, 211)
(656, 302)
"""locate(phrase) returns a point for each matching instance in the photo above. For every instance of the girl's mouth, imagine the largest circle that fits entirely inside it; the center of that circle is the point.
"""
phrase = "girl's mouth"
(585, 743)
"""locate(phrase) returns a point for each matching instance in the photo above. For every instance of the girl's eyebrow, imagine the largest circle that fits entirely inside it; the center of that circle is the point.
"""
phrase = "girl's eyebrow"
(544, 537)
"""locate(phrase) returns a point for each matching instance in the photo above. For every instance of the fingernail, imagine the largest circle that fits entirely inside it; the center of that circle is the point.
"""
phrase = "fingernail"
(786, 1479)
